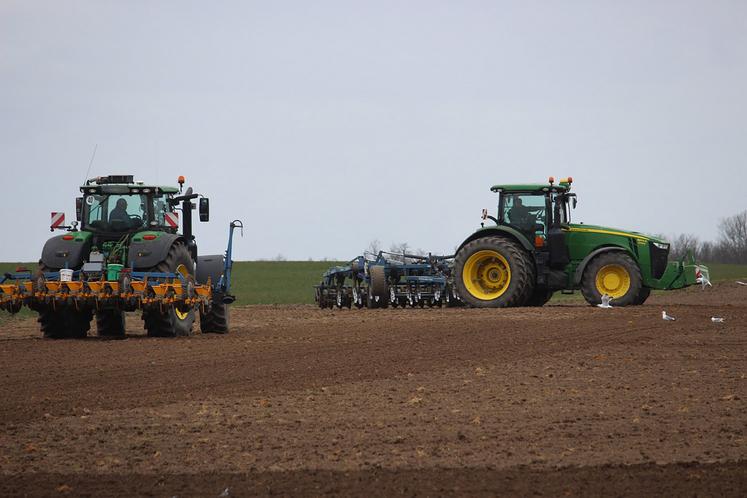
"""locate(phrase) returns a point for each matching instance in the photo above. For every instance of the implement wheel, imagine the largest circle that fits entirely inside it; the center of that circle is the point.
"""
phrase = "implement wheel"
(173, 321)
(494, 272)
(615, 274)
(378, 290)
(216, 320)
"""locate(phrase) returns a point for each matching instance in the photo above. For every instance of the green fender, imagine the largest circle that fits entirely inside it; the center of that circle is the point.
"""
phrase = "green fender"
(582, 265)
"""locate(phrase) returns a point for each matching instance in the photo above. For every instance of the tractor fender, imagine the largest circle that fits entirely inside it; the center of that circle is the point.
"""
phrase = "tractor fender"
(146, 254)
(584, 262)
(210, 267)
(61, 253)
(502, 231)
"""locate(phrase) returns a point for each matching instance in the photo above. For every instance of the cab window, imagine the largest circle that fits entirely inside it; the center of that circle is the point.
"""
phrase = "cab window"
(524, 211)
(116, 212)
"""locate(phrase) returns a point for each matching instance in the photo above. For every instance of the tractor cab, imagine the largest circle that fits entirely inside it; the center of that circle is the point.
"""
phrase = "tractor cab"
(116, 204)
(537, 211)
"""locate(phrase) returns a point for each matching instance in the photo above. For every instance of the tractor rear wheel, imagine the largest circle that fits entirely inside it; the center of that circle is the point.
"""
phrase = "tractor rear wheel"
(216, 320)
(110, 323)
(65, 323)
(642, 296)
(173, 321)
(615, 274)
(494, 272)
(539, 297)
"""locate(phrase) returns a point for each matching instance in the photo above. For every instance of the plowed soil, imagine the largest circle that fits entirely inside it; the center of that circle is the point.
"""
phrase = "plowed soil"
(560, 400)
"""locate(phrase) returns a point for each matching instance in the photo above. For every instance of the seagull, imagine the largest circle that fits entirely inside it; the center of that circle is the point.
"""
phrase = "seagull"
(666, 317)
(717, 319)
(741, 283)
(702, 278)
(605, 301)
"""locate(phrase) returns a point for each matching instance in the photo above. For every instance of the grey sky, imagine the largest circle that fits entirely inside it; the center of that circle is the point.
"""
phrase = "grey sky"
(324, 125)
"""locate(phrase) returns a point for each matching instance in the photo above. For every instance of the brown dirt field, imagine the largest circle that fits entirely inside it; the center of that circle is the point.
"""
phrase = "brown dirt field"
(560, 400)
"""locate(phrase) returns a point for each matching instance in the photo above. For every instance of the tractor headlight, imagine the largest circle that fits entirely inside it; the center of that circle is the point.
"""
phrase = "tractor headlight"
(661, 246)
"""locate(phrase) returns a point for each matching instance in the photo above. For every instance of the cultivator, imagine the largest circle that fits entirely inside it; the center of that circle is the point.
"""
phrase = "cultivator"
(388, 279)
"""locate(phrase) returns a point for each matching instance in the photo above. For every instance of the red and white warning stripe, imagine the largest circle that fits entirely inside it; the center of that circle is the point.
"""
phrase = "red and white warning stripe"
(58, 220)
(171, 220)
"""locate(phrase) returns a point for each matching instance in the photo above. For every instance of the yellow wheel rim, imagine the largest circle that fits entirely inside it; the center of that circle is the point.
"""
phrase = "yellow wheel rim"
(181, 315)
(486, 275)
(613, 280)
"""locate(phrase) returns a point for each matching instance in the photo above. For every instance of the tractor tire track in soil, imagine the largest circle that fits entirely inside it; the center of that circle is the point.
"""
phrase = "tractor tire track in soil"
(564, 399)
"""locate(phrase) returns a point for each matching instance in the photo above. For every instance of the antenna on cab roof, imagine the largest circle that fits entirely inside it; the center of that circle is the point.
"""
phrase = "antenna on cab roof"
(90, 163)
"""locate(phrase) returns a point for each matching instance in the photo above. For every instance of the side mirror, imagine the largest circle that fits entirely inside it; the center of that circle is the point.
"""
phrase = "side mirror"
(204, 209)
(79, 208)
(574, 203)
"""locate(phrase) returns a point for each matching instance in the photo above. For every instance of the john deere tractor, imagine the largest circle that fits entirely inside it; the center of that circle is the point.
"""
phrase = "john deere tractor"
(530, 250)
(127, 254)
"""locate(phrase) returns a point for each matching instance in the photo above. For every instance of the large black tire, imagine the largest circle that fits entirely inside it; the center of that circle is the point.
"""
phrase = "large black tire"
(216, 320)
(593, 279)
(521, 270)
(642, 296)
(539, 297)
(110, 323)
(172, 323)
(65, 323)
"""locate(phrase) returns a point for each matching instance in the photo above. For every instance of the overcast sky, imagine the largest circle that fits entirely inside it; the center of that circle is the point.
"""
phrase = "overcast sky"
(324, 125)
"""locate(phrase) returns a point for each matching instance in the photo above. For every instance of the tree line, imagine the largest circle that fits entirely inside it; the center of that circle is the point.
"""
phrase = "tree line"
(729, 247)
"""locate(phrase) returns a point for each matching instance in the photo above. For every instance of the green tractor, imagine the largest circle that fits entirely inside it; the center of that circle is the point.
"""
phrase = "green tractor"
(128, 254)
(531, 250)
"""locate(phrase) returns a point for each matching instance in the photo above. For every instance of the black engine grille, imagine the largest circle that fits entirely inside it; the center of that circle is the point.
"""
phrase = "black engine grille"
(659, 258)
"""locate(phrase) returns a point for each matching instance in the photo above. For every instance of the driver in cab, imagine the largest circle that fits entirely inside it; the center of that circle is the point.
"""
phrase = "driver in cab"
(119, 213)
(522, 216)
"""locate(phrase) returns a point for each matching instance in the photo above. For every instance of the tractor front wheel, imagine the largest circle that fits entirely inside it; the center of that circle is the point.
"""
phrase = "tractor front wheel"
(65, 323)
(615, 274)
(494, 272)
(110, 323)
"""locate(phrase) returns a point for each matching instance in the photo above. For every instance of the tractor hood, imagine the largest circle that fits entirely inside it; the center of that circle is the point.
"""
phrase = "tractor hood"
(580, 227)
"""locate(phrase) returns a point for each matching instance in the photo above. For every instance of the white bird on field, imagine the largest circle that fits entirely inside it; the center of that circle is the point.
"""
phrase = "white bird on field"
(605, 301)
(717, 319)
(703, 278)
(741, 283)
(664, 316)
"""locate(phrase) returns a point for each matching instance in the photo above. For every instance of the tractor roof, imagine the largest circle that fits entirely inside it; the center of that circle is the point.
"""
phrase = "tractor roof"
(122, 184)
(563, 186)
(530, 187)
